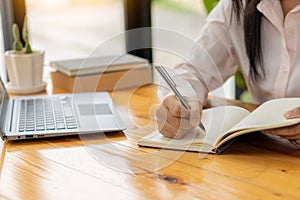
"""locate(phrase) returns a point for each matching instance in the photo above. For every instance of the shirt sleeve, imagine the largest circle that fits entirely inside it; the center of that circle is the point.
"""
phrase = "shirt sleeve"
(212, 59)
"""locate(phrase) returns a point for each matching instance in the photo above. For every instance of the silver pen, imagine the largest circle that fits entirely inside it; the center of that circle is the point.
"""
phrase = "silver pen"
(163, 72)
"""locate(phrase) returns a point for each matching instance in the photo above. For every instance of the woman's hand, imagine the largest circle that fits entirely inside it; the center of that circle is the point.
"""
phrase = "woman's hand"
(174, 120)
(291, 133)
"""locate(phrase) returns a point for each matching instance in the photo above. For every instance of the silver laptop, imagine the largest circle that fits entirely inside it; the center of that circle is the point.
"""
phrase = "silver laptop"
(27, 117)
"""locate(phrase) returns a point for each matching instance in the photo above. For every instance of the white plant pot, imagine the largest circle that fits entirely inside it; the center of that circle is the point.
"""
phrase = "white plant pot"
(25, 72)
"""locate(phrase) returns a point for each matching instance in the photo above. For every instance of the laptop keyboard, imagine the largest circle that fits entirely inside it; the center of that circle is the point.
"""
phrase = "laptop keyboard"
(42, 114)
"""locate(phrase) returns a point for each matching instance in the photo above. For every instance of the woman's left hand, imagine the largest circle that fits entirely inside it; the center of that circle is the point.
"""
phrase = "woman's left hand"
(291, 133)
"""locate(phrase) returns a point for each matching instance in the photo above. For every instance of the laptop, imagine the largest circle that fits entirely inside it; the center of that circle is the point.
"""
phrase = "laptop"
(27, 117)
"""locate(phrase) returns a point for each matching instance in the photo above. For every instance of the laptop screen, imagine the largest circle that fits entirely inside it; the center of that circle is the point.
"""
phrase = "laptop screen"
(3, 104)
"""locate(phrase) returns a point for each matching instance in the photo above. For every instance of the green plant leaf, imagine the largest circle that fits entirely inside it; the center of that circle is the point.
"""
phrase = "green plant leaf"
(239, 79)
(210, 4)
(28, 49)
(25, 29)
(17, 45)
(25, 36)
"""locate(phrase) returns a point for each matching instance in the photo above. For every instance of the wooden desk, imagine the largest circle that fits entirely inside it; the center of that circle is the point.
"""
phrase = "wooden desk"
(112, 166)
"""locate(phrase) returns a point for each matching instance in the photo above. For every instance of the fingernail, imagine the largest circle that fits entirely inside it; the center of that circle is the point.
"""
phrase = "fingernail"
(194, 122)
(288, 114)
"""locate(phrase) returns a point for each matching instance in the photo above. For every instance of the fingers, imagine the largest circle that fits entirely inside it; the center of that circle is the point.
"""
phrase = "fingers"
(195, 112)
(175, 107)
(163, 114)
(295, 143)
(170, 126)
(170, 131)
(294, 113)
(177, 110)
(291, 132)
(174, 121)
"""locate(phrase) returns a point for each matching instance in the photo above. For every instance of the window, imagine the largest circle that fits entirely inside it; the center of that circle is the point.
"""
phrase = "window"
(74, 28)
(184, 18)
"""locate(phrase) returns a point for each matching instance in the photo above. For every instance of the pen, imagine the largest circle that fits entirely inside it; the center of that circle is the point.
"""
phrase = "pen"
(165, 75)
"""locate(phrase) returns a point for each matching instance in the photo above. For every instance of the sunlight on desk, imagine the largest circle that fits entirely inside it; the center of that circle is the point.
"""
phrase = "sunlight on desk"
(112, 166)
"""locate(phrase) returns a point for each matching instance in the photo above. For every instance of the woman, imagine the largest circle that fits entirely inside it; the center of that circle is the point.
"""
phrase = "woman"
(263, 38)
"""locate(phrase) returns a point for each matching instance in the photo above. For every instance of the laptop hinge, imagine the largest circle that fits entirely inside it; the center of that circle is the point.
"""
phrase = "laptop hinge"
(4, 117)
(11, 115)
(7, 116)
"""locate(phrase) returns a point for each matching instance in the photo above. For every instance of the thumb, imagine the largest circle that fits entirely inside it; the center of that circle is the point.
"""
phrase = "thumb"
(294, 113)
(195, 113)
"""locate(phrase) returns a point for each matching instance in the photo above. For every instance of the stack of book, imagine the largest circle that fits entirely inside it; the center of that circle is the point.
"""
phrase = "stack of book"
(105, 73)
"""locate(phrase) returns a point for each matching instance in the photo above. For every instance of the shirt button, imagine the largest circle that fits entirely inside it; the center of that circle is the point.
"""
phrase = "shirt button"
(284, 70)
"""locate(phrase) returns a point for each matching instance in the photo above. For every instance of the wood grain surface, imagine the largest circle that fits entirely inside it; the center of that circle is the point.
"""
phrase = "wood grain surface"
(112, 166)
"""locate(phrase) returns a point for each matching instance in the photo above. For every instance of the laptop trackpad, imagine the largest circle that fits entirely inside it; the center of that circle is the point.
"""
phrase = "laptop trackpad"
(94, 109)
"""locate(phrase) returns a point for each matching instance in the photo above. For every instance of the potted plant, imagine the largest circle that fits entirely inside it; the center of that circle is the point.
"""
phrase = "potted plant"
(24, 66)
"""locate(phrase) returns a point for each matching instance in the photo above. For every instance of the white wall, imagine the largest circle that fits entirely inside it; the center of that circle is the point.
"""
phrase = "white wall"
(227, 90)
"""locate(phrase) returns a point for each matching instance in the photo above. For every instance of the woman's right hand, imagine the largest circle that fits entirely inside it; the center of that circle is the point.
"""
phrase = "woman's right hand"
(173, 120)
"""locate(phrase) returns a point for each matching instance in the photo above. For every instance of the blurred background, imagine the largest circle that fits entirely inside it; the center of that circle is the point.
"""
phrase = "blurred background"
(74, 28)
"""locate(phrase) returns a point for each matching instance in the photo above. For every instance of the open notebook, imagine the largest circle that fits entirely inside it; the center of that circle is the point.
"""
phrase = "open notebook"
(225, 123)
